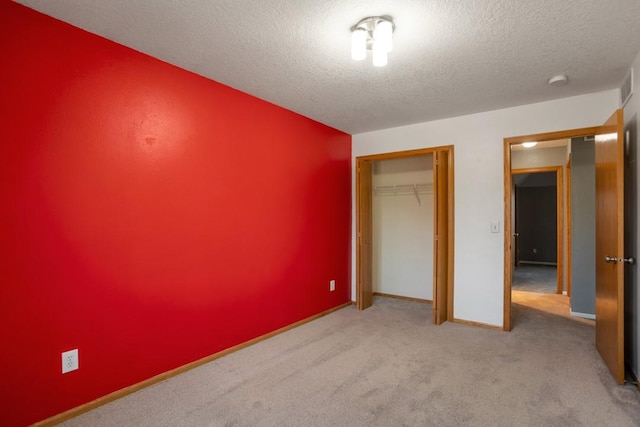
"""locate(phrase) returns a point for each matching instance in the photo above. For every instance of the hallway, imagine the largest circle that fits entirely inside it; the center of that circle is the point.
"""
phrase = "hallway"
(535, 278)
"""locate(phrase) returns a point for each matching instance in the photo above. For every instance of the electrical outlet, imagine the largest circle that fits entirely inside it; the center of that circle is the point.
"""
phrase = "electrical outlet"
(70, 361)
(332, 285)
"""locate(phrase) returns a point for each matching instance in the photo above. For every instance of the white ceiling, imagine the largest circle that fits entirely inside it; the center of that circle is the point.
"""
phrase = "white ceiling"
(451, 57)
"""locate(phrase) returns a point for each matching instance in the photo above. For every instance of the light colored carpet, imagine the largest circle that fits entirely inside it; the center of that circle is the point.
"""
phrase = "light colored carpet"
(535, 278)
(389, 366)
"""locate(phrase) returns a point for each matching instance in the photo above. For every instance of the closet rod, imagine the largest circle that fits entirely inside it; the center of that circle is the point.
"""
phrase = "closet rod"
(416, 189)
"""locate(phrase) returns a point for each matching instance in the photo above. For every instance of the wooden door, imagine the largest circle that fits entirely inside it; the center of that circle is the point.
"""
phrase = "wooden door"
(364, 266)
(610, 244)
(441, 237)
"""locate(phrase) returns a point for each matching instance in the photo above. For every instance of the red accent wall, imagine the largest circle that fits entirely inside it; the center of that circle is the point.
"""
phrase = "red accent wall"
(150, 217)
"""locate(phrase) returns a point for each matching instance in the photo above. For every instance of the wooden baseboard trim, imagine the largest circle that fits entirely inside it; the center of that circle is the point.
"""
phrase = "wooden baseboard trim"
(74, 412)
(478, 324)
(424, 301)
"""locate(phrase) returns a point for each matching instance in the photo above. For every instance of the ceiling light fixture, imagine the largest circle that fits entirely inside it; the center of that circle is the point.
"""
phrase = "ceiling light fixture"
(529, 144)
(373, 33)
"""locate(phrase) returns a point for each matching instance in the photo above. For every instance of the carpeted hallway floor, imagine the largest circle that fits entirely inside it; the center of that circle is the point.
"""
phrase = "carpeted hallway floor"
(389, 366)
(535, 278)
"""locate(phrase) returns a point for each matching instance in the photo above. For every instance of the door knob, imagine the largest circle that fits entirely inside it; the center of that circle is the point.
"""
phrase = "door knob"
(614, 260)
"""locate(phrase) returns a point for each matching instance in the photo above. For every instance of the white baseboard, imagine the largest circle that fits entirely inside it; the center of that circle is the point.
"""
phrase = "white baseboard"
(583, 315)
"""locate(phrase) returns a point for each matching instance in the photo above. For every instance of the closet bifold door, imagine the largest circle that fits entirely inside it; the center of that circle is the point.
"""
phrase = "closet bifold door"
(441, 236)
(364, 265)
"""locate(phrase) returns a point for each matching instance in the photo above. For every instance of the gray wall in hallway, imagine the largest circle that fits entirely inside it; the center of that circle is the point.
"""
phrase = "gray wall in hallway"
(583, 226)
(536, 223)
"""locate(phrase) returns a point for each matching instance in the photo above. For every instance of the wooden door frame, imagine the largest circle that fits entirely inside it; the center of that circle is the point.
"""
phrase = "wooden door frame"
(450, 221)
(508, 229)
(559, 217)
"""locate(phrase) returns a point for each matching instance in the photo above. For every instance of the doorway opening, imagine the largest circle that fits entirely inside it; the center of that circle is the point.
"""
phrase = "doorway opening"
(402, 235)
(537, 219)
(549, 157)
(538, 216)
(440, 193)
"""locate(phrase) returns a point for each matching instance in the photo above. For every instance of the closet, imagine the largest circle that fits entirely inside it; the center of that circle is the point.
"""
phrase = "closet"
(403, 227)
(409, 250)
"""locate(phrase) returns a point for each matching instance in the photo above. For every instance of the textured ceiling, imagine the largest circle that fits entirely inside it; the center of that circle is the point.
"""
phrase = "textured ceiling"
(451, 57)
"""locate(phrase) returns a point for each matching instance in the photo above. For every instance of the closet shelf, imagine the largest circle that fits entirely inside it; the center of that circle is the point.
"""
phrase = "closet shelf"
(404, 189)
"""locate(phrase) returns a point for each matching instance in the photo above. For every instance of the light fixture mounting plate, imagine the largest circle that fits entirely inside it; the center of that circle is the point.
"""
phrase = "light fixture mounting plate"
(558, 80)
(369, 24)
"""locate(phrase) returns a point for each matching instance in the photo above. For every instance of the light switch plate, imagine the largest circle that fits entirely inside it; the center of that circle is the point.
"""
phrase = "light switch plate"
(495, 226)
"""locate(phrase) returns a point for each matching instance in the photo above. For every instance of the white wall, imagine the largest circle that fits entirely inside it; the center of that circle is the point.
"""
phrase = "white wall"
(479, 184)
(632, 225)
(403, 229)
